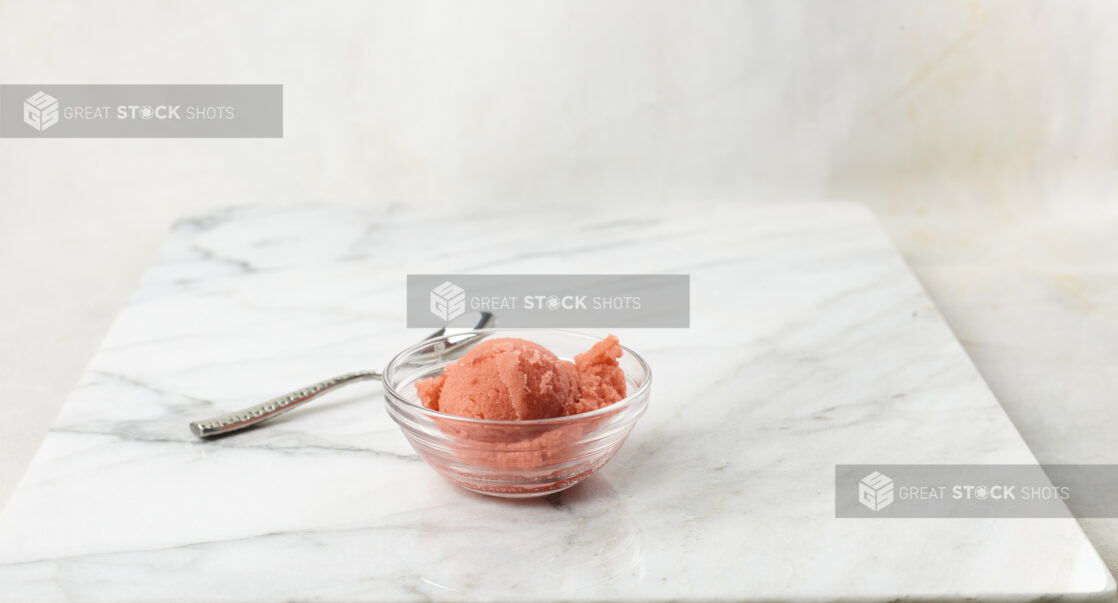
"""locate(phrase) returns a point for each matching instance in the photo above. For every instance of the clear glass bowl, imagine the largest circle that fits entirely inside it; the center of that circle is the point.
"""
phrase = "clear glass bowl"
(511, 458)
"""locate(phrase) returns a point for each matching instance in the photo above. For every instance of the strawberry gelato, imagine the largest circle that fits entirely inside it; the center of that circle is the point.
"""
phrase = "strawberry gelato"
(514, 379)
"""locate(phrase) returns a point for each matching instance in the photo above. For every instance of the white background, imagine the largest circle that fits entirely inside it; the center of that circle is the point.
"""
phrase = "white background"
(985, 134)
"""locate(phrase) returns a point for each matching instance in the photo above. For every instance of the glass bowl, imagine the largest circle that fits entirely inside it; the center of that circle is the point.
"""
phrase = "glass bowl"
(511, 458)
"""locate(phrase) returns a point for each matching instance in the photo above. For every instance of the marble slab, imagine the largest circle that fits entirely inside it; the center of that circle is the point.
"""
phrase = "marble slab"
(811, 344)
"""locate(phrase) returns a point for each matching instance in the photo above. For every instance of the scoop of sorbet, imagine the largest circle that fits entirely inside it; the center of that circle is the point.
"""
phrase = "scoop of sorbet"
(515, 379)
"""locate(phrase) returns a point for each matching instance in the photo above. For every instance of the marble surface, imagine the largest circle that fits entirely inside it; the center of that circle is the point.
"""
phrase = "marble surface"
(1032, 296)
(724, 489)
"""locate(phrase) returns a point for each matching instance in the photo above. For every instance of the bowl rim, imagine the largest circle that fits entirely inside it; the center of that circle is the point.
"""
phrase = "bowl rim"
(391, 394)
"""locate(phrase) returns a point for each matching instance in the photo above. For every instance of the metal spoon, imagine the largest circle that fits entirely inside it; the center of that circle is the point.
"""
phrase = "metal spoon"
(259, 413)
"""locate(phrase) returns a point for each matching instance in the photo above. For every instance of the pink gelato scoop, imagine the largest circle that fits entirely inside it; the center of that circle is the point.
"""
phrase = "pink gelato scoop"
(514, 379)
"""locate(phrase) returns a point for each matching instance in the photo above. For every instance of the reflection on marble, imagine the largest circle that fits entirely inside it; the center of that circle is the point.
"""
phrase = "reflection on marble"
(811, 344)
(543, 552)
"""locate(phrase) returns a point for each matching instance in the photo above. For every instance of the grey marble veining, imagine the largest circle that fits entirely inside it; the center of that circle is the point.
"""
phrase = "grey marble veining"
(811, 344)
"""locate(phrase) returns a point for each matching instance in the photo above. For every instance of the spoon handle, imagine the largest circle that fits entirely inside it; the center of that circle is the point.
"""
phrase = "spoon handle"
(252, 415)
(276, 406)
